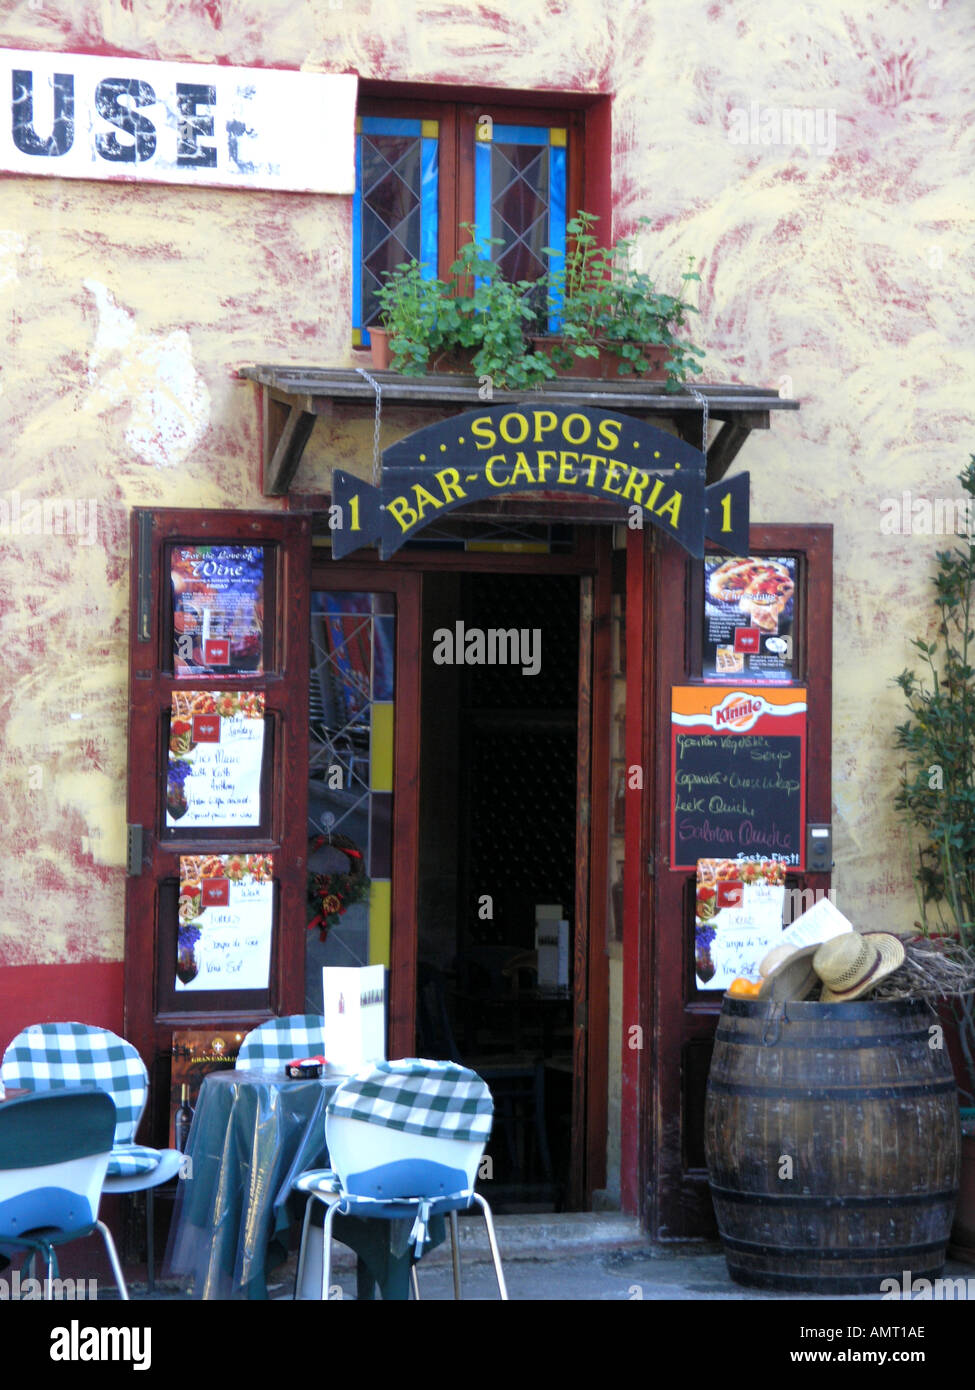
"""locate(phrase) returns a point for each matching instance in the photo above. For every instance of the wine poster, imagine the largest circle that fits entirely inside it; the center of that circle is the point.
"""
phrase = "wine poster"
(195, 1054)
(216, 747)
(218, 609)
(738, 918)
(226, 906)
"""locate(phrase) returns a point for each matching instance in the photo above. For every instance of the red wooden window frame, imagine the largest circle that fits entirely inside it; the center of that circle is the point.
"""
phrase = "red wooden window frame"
(585, 118)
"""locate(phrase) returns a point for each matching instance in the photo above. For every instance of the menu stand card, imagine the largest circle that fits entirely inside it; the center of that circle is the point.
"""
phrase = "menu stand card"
(354, 1006)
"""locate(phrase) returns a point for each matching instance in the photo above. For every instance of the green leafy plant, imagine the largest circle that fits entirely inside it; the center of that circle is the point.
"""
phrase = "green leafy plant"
(598, 296)
(602, 300)
(938, 788)
(494, 318)
(415, 310)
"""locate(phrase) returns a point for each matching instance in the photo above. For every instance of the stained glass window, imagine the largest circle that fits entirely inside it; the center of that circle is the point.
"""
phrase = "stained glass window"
(395, 214)
(520, 195)
(404, 190)
(350, 769)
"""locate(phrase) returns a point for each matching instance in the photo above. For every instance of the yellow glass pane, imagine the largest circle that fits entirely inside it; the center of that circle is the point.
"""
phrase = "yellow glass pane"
(430, 130)
(557, 136)
(380, 899)
(381, 748)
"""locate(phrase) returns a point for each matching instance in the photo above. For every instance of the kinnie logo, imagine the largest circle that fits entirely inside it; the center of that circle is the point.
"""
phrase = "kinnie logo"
(494, 646)
(76, 1343)
(738, 711)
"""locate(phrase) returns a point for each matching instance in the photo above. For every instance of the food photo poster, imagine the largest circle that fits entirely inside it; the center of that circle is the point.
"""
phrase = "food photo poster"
(748, 619)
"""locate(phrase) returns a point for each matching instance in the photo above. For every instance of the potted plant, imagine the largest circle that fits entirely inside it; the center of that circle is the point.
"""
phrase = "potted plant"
(414, 317)
(493, 318)
(612, 319)
(938, 796)
(478, 322)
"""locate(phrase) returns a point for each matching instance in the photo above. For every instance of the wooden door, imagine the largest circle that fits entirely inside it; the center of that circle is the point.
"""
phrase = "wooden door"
(667, 1054)
(161, 656)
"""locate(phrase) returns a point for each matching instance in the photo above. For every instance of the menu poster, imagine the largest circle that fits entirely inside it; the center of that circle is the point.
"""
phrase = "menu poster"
(738, 918)
(748, 619)
(738, 760)
(225, 917)
(218, 609)
(216, 744)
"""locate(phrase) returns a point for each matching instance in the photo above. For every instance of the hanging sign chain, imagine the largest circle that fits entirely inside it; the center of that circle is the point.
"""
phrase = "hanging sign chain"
(703, 403)
(376, 464)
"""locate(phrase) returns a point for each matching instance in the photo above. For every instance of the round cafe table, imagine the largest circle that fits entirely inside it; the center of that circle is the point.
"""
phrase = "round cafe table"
(253, 1132)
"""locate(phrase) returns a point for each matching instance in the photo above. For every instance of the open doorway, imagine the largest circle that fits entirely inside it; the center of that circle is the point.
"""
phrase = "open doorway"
(497, 858)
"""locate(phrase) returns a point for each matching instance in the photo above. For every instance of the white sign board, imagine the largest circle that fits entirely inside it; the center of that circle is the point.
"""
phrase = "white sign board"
(354, 1008)
(82, 117)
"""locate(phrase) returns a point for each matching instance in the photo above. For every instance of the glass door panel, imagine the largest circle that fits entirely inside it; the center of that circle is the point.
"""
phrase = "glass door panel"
(350, 782)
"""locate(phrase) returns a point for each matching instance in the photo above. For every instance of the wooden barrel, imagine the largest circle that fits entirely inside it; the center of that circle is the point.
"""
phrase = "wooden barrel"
(832, 1138)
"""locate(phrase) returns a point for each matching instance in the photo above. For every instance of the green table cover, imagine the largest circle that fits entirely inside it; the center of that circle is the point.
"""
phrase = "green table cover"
(253, 1132)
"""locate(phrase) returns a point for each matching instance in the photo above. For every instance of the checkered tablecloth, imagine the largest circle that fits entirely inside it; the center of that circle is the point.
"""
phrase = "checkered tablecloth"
(440, 1099)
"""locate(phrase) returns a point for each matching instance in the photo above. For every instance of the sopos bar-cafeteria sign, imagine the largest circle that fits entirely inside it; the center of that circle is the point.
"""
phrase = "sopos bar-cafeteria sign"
(83, 117)
(539, 448)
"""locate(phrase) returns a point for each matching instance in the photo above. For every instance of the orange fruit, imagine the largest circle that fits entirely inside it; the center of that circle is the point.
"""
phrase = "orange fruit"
(744, 988)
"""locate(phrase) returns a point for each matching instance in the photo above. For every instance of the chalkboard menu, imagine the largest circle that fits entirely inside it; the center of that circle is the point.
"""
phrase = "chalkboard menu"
(738, 759)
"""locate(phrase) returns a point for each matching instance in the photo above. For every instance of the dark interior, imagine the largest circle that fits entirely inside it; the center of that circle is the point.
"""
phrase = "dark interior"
(497, 838)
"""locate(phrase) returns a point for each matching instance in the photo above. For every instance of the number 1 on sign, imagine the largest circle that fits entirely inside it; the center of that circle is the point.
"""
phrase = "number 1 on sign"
(726, 512)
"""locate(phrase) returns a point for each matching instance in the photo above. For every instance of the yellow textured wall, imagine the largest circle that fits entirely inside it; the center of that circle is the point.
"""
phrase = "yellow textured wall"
(124, 313)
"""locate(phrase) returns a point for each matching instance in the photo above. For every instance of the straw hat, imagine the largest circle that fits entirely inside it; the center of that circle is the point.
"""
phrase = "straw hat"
(794, 978)
(774, 959)
(853, 963)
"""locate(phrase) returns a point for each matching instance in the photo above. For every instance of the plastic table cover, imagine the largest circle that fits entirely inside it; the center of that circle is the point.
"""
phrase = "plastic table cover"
(253, 1132)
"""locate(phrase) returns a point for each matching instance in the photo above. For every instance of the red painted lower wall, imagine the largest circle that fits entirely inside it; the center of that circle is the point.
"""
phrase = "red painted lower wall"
(87, 993)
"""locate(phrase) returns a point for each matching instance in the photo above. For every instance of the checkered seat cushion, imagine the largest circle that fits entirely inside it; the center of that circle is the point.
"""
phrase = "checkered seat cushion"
(50, 1056)
(129, 1160)
(280, 1040)
(320, 1180)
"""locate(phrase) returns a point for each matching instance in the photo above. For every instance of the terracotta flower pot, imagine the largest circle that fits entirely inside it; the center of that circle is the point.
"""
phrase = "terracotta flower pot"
(379, 347)
(606, 366)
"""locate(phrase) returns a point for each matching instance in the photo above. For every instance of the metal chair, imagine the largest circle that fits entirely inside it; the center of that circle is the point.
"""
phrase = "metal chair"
(52, 1056)
(405, 1140)
(54, 1152)
(280, 1040)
